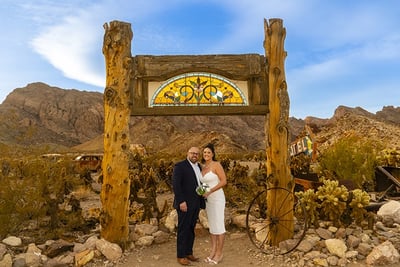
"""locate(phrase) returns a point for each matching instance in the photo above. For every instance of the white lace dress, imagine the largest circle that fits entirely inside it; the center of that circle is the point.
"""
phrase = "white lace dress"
(215, 205)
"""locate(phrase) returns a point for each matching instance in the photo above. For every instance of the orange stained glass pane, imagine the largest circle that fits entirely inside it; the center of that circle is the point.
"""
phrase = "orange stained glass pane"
(200, 89)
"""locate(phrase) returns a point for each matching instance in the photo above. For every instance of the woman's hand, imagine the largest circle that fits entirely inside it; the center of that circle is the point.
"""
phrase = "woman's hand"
(183, 206)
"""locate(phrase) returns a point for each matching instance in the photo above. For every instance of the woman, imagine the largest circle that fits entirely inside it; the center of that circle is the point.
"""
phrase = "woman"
(214, 176)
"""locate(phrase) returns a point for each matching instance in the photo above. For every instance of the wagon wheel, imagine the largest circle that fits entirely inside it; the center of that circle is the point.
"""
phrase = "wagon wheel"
(262, 221)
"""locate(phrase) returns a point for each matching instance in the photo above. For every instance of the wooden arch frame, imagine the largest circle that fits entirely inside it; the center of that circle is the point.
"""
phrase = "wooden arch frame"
(126, 94)
(248, 68)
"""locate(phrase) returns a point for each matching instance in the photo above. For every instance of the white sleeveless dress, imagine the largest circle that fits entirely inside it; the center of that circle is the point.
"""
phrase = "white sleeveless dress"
(215, 205)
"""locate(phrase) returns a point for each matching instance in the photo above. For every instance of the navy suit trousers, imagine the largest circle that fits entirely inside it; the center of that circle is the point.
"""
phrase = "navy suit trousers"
(185, 236)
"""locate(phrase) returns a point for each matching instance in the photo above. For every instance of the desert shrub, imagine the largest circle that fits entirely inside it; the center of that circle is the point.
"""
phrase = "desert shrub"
(351, 158)
(148, 177)
(389, 157)
(31, 190)
(226, 163)
(358, 201)
(300, 164)
(311, 205)
(333, 202)
(164, 170)
(242, 184)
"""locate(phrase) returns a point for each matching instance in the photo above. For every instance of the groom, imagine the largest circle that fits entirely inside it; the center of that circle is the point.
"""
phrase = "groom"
(185, 179)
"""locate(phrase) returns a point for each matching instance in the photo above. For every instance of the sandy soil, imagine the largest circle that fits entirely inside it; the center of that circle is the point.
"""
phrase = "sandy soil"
(238, 251)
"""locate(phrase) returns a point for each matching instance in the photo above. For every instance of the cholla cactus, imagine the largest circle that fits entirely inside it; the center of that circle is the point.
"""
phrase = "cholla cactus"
(332, 198)
(358, 203)
(334, 203)
(309, 200)
(389, 157)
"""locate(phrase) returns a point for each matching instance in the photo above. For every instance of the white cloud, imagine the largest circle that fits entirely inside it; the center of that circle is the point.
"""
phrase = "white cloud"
(68, 47)
(72, 44)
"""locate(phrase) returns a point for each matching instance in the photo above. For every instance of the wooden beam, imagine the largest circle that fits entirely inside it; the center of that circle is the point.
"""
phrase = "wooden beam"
(277, 132)
(116, 182)
(202, 110)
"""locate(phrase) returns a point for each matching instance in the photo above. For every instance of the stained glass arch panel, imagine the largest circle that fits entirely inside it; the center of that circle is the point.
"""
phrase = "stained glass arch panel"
(198, 89)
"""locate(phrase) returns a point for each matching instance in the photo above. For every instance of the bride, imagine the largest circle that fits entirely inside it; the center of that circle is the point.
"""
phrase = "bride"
(214, 176)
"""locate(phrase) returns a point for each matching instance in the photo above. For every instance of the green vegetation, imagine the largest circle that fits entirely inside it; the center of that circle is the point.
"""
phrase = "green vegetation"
(389, 157)
(331, 202)
(353, 159)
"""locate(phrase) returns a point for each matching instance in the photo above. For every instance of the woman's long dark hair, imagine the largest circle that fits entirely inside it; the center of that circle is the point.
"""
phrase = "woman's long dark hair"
(211, 147)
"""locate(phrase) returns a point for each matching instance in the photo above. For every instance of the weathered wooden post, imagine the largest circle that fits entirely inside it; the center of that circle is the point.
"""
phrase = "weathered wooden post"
(277, 134)
(116, 182)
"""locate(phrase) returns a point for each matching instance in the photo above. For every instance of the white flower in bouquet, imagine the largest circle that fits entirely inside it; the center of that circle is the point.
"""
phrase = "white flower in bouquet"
(202, 189)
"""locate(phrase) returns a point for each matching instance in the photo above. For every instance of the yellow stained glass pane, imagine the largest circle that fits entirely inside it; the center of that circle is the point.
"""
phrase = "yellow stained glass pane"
(200, 89)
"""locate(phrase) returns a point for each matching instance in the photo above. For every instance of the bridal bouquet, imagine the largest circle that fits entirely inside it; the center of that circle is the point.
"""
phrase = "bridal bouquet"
(202, 189)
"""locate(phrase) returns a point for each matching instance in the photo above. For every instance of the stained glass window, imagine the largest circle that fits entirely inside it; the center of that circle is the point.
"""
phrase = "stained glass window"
(198, 89)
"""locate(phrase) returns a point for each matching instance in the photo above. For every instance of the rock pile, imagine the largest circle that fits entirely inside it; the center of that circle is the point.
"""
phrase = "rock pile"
(332, 246)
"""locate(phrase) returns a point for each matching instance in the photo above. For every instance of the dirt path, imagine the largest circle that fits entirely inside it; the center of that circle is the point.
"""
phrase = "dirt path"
(238, 251)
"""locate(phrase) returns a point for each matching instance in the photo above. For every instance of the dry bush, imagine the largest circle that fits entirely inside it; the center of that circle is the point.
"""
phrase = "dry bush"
(351, 158)
(243, 184)
(30, 193)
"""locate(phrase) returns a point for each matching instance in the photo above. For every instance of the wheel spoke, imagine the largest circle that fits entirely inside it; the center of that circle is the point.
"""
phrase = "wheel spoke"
(282, 202)
(259, 230)
(284, 226)
(285, 213)
(265, 239)
(273, 221)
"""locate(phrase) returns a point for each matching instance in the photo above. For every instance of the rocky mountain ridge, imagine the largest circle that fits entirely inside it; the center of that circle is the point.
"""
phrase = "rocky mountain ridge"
(39, 114)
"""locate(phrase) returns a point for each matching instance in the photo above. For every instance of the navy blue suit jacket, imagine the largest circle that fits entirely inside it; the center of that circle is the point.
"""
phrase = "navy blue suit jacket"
(184, 184)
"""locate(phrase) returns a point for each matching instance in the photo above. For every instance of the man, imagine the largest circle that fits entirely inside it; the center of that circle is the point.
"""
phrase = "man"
(185, 179)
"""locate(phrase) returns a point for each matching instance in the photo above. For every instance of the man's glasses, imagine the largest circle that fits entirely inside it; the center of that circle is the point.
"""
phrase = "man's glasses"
(194, 153)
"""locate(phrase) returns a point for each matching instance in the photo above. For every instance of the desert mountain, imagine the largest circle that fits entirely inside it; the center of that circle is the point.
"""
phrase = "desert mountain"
(39, 114)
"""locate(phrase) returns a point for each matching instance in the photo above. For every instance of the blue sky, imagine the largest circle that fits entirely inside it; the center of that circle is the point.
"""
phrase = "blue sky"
(339, 52)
